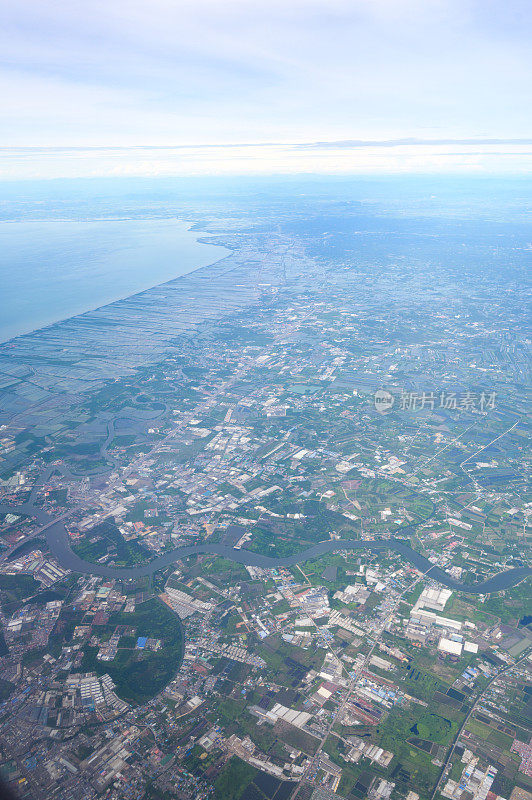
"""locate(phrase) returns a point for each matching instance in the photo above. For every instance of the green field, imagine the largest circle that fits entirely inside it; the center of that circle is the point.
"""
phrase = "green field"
(14, 589)
(233, 779)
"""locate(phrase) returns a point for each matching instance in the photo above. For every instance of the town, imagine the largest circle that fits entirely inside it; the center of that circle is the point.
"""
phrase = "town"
(276, 547)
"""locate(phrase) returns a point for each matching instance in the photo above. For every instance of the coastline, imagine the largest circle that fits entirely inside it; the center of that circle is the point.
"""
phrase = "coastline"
(67, 263)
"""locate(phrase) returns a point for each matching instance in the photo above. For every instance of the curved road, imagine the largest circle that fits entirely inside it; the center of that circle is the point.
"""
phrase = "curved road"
(59, 543)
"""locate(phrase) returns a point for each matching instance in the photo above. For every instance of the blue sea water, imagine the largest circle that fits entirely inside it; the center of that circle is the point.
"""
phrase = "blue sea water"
(52, 270)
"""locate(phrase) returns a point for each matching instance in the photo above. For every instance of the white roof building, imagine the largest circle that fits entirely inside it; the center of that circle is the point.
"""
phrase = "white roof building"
(449, 646)
(433, 598)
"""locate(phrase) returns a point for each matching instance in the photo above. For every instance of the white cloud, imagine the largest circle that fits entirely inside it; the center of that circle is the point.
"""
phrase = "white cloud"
(384, 158)
(166, 72)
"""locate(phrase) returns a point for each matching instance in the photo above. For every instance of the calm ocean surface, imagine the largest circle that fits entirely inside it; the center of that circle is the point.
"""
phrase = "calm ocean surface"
(53, 270)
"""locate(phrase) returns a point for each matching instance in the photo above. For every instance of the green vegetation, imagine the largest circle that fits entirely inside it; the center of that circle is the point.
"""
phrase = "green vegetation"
(287, 663)
(489, 734)
(295, 737)
(106, 539)
(220, 570)
(140, 675)
(433, 727)
(263, 543)
(282, 607)
(233, 779)
(5, 689)
(33, 656)
(59, 496)
(123, 440)
(512, 604)
(459, 608)
(394, 733)
(232, 714)
(198, 760)
(14, 589)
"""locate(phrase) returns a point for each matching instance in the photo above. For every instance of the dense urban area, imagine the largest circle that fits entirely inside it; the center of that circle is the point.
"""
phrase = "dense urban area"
(264, 528)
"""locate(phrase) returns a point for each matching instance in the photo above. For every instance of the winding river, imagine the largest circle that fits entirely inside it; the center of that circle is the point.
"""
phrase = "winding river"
(58, 539)
(59, 543)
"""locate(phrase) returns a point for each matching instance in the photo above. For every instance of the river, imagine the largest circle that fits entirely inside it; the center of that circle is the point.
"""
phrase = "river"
(59, 543)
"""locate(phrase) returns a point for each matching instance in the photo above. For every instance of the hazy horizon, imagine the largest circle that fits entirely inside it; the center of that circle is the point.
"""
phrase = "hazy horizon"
(241, 87)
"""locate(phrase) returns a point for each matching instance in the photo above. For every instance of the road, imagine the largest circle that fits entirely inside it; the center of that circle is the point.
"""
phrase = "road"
(468, 717)
(360, 668)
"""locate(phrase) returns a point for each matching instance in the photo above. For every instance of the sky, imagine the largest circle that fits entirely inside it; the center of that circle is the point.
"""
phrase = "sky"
(93, 87)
